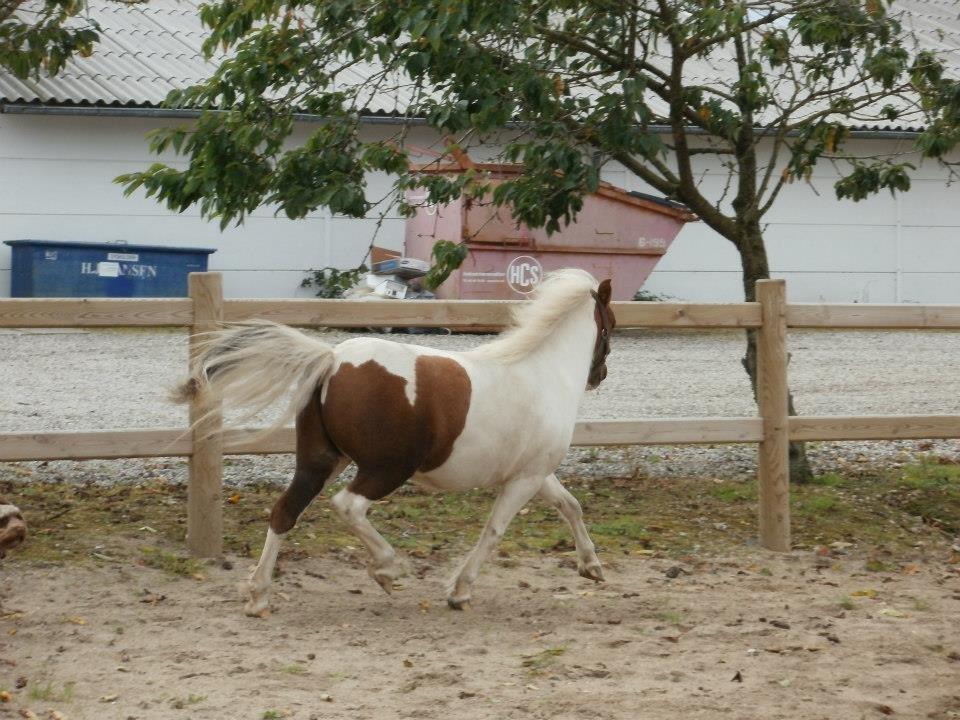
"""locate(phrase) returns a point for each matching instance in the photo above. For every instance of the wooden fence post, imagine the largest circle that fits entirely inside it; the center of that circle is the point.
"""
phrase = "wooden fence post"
(204, 503)
(774, 454)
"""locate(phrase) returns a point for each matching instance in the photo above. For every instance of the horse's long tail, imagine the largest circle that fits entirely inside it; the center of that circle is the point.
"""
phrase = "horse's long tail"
(254, 364)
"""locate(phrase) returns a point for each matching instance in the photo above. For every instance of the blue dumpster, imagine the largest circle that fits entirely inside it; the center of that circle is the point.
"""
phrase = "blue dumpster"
(48, 268)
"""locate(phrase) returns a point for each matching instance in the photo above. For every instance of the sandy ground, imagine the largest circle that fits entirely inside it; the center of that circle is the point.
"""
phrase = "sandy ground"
(760, 636)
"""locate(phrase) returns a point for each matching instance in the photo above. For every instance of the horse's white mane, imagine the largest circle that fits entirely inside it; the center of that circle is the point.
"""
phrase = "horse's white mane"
(559, 293)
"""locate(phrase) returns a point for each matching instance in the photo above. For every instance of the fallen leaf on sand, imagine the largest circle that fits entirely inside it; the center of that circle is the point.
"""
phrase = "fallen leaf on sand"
(76, 620)
(870, 593)
(5, 696)
(108, 698)
(234, 499)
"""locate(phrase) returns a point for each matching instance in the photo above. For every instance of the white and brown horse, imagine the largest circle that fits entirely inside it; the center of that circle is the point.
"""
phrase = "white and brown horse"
(499, 416)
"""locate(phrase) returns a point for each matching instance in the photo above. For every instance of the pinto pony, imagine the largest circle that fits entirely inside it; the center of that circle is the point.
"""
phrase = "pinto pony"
(499, 416)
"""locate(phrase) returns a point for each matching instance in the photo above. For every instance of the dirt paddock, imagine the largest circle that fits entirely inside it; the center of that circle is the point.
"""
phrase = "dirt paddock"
(804, 635)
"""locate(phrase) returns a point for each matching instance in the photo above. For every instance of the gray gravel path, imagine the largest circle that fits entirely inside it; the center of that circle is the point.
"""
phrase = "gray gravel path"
(82, 380)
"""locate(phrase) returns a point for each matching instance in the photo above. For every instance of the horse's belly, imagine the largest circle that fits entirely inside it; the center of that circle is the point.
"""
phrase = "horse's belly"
(488, 457)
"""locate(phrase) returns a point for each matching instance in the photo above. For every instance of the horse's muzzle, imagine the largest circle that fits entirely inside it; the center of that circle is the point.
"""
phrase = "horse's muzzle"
(597, 377)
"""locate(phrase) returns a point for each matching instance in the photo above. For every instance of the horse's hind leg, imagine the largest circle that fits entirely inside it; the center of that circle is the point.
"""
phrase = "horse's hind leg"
(514, 495)
(318, 462)
(352, 504)
(558, 496)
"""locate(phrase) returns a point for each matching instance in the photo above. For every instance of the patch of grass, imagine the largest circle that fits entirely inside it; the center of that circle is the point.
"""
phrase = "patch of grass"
(180, 703)
(921, 605)
(669, 517)
(929, 474)
(673, 617)
(875, 565)
(171, 563)
(735, 492)
(829, 479)
(271, 715)
(294, 669)
(48, 691)
(846, 602)
(542, 660)
(817, 504)
(622, 527)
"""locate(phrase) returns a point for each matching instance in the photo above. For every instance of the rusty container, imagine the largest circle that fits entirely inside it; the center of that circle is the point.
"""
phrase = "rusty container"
(618, 235)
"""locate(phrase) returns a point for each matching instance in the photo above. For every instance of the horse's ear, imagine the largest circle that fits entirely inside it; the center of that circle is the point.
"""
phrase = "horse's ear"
(604, 292)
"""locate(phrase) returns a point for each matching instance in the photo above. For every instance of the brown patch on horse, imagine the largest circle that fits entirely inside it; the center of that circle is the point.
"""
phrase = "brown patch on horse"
(13, 528)
(317, 458)
(369, 418)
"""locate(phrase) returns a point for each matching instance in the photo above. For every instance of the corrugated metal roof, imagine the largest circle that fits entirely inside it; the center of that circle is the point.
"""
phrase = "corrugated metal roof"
(148, 49)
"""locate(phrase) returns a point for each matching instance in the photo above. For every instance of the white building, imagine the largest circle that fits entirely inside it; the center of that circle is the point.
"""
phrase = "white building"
(64, 140)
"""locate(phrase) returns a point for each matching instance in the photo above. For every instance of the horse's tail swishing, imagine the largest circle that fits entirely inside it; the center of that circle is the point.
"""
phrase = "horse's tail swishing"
(254, 364)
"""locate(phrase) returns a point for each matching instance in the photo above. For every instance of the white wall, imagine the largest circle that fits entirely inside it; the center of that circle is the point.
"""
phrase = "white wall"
(880, 250)
(56, 183)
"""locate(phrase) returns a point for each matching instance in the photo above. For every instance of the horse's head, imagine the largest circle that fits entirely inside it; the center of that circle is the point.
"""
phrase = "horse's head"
(13, 528)
(606, 322)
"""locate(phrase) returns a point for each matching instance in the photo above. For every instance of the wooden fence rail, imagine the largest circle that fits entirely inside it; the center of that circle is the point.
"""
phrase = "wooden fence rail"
(771, 316)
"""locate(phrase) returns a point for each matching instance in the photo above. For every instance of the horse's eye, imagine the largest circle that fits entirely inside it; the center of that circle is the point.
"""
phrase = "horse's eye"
(603, 333)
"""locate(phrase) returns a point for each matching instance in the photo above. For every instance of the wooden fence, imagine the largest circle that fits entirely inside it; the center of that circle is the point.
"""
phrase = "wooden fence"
(772, 430)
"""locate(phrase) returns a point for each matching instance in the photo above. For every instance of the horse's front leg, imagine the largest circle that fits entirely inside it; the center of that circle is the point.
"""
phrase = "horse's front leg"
(557, 495)
(514, 495)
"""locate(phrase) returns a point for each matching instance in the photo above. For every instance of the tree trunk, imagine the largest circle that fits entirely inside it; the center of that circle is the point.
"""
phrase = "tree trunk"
(753, 260)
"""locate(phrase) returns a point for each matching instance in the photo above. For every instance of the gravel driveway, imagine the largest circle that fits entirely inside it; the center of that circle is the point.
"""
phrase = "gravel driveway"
(83, 380)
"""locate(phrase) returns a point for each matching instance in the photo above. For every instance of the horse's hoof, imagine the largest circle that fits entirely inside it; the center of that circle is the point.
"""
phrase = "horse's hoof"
(454, 604)
(592, 572)
(257, 608)
(384, 580)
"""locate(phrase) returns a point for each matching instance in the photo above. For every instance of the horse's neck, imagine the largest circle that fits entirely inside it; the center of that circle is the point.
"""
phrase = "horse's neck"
(566, 353)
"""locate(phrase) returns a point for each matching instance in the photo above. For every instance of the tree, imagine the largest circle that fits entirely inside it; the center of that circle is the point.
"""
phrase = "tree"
(576, 85)
(38, 35)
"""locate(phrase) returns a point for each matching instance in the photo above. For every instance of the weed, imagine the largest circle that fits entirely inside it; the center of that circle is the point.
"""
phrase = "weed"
(673, 617)
(920, 605)
(624, 527)
(816, 504)
(542, 660)
(168, 562)
(48, 691)
(294, 669)
(740, 492)
(875, 565)
(846, 602)
(180, 703)
(829, 480)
